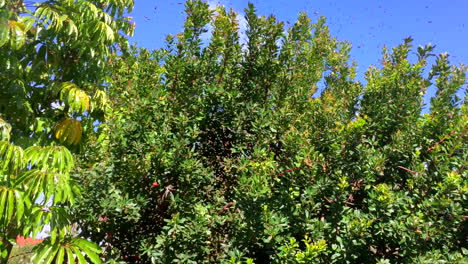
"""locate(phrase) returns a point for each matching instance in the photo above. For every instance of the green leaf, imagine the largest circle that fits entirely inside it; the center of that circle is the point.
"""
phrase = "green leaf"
(53, 158)
(79, 255)
(3, 201)
(19, 206)
(28, 22)
(18, 34)
(53, 236)
(10, 204)
(60, 256)
(83, 243)
(53, 253)
(93, 256)
(70, 258)
(41, 256)
(4, 27)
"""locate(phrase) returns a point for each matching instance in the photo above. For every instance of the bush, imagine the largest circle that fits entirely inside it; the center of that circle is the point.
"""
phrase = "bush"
(218, 152)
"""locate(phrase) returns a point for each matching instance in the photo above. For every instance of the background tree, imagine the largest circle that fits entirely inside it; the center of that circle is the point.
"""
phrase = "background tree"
(53, 76)
(218, 152)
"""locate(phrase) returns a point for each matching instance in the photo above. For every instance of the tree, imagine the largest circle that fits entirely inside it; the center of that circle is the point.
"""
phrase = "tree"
(53, 77)
(218, 152)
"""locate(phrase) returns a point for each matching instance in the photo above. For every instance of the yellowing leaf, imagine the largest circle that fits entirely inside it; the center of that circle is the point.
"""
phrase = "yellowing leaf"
(77, 99)
(69, 131)
(17, 30)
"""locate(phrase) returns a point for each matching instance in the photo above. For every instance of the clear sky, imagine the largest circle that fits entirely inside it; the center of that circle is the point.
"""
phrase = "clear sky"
(367, 24)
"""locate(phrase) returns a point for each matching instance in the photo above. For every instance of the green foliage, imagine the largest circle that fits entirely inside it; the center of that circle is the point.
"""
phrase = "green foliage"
(67, 251)
(222, 152)
(53, 70)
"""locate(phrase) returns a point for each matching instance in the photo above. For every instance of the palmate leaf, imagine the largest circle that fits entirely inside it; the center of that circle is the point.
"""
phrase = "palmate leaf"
(49, 174)
(103, 31)
(72, 29)
(66, 192)
(11, 158)
(100, 101)
(49, 184)
(54, 216)
(51, 16)
(69, 131)
(68, 248)
(77, 99)
(44, 182)
(88, 10)
(50, 158)
(12, 204)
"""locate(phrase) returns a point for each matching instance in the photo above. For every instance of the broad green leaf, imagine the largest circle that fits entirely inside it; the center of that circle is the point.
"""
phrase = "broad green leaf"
(10, 204)
(60, 256)
(70, 258)
(50, 158)
(28, 22)
(4, 27)
(53, 253)
(85, 244)
(79, 255)
(3, 201)
(92, 256)
(19, 205)
(72, 95)
(53, 236)
(41, 256)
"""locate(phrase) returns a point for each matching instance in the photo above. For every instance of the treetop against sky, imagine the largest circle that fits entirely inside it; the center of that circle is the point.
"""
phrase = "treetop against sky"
(367, 24)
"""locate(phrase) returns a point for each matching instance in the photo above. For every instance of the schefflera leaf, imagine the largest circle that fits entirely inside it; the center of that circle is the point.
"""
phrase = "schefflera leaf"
(69, 131)
(53, 158)
(11, 159)
(49, 173)
(72, 95)
(13, 204)
(70, 250)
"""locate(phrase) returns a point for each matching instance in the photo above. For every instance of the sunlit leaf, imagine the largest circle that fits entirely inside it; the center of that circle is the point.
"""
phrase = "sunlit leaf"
(18, 32)
(4, 27)
(50, 158)
(69, 131)
(11, 157)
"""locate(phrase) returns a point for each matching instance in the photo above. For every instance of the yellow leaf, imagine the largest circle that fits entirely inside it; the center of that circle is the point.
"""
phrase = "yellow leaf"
(69, 131)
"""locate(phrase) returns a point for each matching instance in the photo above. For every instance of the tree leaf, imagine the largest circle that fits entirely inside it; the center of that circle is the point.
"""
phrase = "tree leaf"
(4, 27)
(17, 30)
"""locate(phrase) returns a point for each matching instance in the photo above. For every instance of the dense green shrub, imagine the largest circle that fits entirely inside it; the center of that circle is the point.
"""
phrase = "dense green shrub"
(217, 152)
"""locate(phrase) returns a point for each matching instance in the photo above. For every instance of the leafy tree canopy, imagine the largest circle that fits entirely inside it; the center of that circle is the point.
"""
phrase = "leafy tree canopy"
(218, 152)
(53, 77)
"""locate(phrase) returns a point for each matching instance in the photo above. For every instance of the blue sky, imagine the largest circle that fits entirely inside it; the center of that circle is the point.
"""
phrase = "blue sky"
(367, 24)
